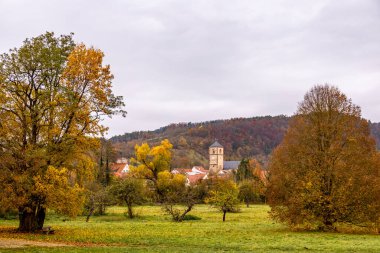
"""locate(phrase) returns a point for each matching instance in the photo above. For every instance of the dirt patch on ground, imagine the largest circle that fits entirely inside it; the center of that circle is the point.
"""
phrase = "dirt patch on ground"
(19, 243)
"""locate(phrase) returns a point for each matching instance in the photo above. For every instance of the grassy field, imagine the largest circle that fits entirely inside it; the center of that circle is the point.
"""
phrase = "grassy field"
(248, 231)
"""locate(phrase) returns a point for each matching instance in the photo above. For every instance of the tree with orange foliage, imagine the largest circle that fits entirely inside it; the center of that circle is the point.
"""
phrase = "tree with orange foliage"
(53, 95)
(326, 170)
(248, 169)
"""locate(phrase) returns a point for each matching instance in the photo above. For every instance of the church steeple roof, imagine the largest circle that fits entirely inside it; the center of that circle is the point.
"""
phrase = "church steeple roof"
(216, 144)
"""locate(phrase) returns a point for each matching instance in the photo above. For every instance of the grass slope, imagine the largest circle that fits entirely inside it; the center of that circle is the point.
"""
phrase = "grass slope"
(248, 231)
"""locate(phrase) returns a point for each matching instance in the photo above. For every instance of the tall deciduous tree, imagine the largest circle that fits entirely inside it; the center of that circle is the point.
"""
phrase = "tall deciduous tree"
(326, 170)
(53, 94)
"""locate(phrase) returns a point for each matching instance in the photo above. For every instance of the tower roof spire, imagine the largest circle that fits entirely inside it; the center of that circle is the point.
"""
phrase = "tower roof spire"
(216, 144)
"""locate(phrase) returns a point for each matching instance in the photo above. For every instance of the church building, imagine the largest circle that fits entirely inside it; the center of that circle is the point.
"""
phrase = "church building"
(217, 163)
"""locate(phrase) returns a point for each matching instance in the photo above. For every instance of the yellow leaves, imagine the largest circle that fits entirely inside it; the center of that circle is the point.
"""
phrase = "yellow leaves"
(53, 178)
(224, 195)
(141, 171)
(162, 155)
(85, 63)
(168, 181)
(85, 71)
(55, 191)
(141, 152)
(163, 149)
(309, 185)
(148, 162)
(165, 176)
(88, 86)
(14, 189)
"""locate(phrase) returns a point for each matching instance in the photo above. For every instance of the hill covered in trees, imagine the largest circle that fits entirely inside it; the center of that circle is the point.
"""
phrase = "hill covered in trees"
(254, 137)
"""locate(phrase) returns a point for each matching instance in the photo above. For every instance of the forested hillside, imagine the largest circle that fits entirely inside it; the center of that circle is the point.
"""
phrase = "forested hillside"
(241, 137)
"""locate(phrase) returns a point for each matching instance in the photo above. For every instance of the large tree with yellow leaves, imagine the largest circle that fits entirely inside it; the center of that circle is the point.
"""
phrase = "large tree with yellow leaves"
(53, 95)
(326, 170)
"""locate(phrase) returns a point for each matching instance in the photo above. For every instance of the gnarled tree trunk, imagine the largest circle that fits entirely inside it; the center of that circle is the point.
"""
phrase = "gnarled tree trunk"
(31, 218)
(28, 220)
(41, 213)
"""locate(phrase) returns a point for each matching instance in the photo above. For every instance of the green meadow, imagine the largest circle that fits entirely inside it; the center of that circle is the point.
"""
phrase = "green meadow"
(251, 230)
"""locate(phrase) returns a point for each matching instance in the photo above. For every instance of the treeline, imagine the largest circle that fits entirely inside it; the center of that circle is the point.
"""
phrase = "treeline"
(254, 137)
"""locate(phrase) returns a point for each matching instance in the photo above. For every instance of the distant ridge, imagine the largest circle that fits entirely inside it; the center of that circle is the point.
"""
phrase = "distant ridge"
(254, 137)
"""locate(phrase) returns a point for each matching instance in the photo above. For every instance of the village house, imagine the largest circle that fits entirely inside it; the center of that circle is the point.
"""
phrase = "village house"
(120, 167)
(193, 175)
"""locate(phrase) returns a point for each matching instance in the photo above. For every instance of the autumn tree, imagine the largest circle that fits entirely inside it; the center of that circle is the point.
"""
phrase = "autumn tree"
(326, 170)
(223, 195)
(53, 95)
(149, 162)
(182, 142)
(130, 191)
(178, 199)
(251, 191)
(96, 199)
(248, 169)
(250, 181)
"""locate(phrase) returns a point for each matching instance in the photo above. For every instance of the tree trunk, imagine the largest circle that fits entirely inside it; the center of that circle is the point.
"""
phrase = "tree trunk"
(247, 203)
(224, 216)
(28, 221)
(101, 209)
(91, 207)
(328, 218)
(189, 207)
(130, 211)
(41, 213)
(108, 172)
(328, 225)
(90, 213)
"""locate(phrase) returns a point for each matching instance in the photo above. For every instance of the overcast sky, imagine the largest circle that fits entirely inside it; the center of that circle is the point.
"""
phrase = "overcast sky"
(199, 60)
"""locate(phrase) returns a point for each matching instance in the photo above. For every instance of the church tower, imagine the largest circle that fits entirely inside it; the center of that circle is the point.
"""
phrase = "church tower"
(216, 157)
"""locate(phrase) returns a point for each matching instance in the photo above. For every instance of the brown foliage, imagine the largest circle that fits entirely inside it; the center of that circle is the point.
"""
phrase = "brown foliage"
(326, 170)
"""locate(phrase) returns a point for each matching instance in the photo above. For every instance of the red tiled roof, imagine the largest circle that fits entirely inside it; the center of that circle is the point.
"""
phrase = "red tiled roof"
(193, 179)
(193, 175)
(200, 168)
(117, 168)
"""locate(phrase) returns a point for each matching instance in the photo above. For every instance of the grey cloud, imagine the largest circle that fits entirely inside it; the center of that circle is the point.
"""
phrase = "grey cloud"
(199, 60)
